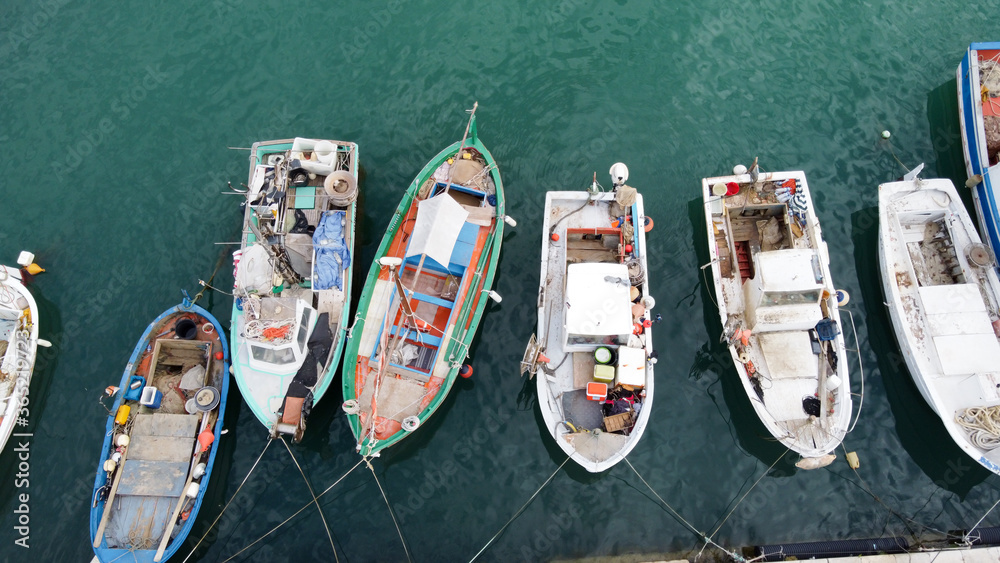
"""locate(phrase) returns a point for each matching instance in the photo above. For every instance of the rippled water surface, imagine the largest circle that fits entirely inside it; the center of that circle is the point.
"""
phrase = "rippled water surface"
(118, 121)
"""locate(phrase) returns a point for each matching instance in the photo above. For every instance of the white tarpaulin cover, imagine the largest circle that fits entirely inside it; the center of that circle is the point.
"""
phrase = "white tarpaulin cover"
(439, 222)
(254, 270)
(597, 299)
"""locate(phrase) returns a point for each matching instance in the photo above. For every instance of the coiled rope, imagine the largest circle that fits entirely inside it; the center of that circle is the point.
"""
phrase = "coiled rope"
(982, 425)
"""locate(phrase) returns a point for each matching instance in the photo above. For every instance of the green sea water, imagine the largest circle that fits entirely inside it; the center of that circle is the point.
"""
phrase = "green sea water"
(123, 122)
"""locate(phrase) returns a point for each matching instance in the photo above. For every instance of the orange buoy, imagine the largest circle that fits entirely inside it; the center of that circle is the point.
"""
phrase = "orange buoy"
(34, 269)
(219, 355)
(648, 225)
(555, 237)
(465, 371)
(628, 248)
(206, 438)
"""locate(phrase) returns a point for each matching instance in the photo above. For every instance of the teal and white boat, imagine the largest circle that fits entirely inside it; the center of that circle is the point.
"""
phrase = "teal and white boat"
(293, 277)
(425, 294)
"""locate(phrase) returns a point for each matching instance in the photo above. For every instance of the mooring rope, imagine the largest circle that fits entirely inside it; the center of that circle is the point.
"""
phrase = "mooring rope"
(391, 512)
(231, 499)
(313, 494)
(762, 475)
(967, 538)
(299, 511)
(218, 264)
(906, 520)
(707, 539)
(520, 510)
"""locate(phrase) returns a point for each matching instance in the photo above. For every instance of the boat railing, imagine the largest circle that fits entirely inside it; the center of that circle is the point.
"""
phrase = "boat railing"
(861, 367)
(458, 342)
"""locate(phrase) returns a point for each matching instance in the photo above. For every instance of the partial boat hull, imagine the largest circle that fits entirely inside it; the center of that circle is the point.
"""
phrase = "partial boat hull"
(980, 147)
(19, 342)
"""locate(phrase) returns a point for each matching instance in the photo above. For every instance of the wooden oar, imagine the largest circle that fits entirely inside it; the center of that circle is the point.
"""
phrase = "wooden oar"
(180, 502)
(111, 498)
(173, 519)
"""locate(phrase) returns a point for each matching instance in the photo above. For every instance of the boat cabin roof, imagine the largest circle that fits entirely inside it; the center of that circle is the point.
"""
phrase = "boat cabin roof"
(597, 299)
(789, 270)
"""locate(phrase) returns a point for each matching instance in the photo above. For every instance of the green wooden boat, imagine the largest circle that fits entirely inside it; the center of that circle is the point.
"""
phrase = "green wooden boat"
(424, 295)
(293, 277)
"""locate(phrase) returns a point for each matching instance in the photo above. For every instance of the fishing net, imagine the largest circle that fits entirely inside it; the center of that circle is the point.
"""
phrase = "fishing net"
(989, 77)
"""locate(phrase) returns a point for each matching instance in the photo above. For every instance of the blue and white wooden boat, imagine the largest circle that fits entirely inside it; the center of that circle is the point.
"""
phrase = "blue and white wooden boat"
(293, 277)
(161, 439)
(979, 112)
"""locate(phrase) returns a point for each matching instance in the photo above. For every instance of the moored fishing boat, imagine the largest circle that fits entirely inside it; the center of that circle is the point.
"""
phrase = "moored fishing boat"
(18, 342)
(943, 296)
(293, 277)
(779, 308)
(594, 341)
(424, 295)
(162, 436)
(979, 113)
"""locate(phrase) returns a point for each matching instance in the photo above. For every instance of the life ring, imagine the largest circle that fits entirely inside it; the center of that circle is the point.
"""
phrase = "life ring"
(648, 224)
(351, 406)
(208, 328)
(410, 423)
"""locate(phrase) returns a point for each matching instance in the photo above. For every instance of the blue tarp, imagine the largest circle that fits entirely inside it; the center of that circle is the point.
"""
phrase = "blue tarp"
(332, 255)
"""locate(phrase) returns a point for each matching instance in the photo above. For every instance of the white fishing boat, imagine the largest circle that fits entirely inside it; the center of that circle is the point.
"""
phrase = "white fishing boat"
(943, 296)
(779, 308)
(979, 113)
(293, 277)
(18, 343)
(593, 357)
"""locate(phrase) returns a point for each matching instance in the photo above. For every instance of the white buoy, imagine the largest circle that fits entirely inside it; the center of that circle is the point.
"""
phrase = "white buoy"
(619, 173)
(25, 258)
(509, 220)
(739, 169)
(495, 296)
(886, 134)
